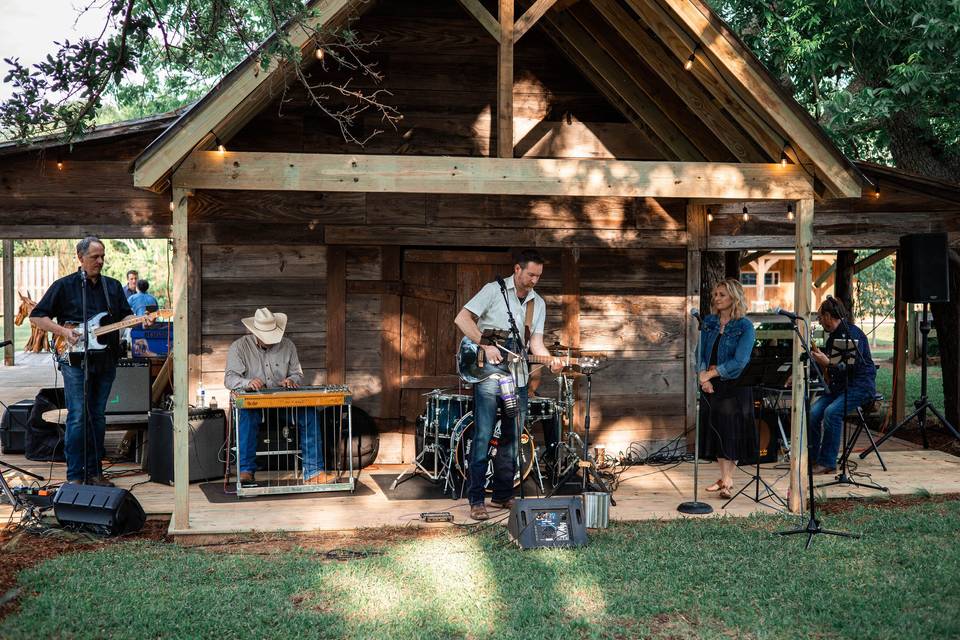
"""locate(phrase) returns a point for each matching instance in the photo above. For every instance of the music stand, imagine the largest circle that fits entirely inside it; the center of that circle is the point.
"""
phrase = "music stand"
(754, 375)
(843, 355)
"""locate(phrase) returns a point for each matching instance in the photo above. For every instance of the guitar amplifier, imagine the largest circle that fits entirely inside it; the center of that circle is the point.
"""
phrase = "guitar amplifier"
(207, 437)
(131, 388)
(13, 427)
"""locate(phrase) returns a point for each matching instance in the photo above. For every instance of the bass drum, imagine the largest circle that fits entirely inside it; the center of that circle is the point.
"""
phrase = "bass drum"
(463, 445)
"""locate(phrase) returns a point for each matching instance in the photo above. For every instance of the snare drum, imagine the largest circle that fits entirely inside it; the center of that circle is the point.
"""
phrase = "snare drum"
(541, 409)
(443, 412)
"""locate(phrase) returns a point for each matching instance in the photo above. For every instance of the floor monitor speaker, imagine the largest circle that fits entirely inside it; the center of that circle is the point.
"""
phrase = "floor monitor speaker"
(548, 522)
(107, 511)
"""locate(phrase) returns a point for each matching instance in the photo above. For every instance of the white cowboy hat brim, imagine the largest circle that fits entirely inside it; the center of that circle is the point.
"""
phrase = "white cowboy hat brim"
(268, 336)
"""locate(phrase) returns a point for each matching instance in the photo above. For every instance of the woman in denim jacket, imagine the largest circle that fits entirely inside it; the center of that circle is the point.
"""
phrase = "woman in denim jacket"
(727, 426)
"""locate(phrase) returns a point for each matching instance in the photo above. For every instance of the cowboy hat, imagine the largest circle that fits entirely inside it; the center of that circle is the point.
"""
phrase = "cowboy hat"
(266, 325)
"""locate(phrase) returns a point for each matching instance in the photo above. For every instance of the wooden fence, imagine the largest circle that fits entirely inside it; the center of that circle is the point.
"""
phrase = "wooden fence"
(32, 276)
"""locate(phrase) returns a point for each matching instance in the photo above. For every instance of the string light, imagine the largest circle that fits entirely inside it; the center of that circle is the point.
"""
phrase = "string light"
(59, 163)
(789, 212)
(709, 215)
(693, 58)
(876, 189)
(172, 206)
(319, 53)
(746, 214)
(783, 156)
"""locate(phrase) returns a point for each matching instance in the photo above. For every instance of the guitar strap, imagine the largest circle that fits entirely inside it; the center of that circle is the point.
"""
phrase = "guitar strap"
(528, 321)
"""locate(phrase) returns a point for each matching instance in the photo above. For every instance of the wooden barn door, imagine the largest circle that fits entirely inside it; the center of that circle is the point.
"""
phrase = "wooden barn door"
(436, 285)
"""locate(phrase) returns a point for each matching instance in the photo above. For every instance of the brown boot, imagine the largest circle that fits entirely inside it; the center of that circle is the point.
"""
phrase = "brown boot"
(246, 477)
(503, 504)
(100, 481)
(479, 512)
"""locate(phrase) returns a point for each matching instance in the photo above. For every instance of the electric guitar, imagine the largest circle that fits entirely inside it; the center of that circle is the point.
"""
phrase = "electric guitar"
(93, 329)
(473, 372)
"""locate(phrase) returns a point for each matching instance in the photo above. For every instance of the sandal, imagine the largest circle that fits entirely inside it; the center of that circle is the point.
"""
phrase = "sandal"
(726, 492)
(716, 486)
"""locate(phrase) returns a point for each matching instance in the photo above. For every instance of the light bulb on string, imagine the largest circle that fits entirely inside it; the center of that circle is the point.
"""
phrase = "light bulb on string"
(709, 215)
(789, 212)
(746, 214)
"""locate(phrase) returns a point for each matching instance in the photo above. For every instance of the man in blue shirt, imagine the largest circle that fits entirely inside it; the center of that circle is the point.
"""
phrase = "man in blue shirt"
(131, 288)
(141, 300)
(856, 374)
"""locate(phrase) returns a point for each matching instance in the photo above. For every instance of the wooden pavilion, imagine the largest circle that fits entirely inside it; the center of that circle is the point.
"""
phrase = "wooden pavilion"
(600, 131)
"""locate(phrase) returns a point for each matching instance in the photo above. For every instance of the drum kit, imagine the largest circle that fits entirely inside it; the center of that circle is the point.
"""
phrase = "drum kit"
(444, 434)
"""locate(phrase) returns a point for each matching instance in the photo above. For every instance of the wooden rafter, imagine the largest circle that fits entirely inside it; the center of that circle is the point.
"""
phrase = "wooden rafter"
(739, 65)
(505, 82)
(461, 175)
(680, 81)
(478, 11)
(530, 17)
(666, 131)
(750, 257)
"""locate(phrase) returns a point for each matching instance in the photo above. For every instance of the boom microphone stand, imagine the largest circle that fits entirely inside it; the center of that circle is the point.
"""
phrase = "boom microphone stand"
(812, 527)
(85, 413)
(695, 507)
(521, 347)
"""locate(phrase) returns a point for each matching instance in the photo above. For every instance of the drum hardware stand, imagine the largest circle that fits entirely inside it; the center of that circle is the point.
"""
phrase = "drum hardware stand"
(812, 527)
(844, 478)
(590, 479)
(441, 468)
(923, 403)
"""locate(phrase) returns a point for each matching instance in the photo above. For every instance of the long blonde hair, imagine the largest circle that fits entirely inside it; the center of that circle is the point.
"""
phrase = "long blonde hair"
(735, 291)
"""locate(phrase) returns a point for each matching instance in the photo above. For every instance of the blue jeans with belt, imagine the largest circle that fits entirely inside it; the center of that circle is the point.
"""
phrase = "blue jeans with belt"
(84, 464)
(486, 400)
(311, 442)
(826, 423)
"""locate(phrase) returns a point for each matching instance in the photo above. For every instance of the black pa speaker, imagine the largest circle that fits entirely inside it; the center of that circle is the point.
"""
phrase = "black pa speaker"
(548, 522)
(926, 273)
(206, 438)
(107, 511)
(768, 433)
(13, 427)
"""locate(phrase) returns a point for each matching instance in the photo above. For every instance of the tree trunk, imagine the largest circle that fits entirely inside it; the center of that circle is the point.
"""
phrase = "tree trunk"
(916, 147)
(731, 260)
(945, 319)
(712, 271)
(843, 280)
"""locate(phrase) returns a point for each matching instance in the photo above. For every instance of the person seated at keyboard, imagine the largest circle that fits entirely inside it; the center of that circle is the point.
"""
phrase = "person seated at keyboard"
(265, 359)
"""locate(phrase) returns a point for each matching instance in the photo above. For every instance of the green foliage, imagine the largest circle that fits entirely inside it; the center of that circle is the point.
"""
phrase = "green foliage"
(706, 578)
(860, 67)
(875, 289)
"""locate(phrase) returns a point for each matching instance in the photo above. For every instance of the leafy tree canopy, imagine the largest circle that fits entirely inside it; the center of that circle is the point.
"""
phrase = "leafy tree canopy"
(881, 76)
(156, 55)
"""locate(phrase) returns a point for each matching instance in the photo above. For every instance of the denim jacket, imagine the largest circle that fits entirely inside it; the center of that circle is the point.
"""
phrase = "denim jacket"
(736, 345)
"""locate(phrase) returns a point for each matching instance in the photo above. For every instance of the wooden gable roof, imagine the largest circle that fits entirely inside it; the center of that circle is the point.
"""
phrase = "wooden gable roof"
(724, 108)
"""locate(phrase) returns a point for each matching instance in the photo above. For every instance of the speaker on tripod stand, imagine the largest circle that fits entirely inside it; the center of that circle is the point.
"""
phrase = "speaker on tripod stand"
(926, 278)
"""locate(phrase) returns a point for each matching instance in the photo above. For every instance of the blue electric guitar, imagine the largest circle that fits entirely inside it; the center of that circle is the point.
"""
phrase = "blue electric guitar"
(471, 371)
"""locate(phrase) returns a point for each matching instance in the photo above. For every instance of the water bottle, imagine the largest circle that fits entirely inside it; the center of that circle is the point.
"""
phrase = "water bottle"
(201, 396)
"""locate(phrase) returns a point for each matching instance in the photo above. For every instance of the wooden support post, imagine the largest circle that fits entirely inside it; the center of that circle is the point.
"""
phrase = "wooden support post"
(8, 287)
(801, 303)
(390, 309)
(901, 349)
(697, 234)
(505, 82)
(181, 356)
(336, 315)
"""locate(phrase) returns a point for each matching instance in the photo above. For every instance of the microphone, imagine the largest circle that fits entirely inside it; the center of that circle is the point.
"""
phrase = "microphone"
(5, 343)
(83, 274)
(783, 312)
(508, 392)
(696, 314)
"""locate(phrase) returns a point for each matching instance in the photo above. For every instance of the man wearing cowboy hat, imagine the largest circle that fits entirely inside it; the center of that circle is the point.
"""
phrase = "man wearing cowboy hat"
(265, 359)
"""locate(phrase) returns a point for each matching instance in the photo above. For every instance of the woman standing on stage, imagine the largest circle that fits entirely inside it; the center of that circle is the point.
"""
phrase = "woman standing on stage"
(727, 426)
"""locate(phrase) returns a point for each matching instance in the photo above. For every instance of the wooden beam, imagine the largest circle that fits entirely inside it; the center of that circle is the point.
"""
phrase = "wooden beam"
(750, 257)
(507, 176)
(872, 259)
(9, 285)
(505, 82)
(681, 44)
(181, 353)
(336, 315)
(230, 103)
(625, 86)
(530, 17)
(742, 67)
(73, 231)
(697, 232)
(803, 281)
(483, 16)
(901, 349)
(680, 81)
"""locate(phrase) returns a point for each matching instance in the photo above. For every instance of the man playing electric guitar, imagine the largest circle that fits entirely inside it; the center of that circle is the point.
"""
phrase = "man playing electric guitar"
(488, 310)
(63, 302)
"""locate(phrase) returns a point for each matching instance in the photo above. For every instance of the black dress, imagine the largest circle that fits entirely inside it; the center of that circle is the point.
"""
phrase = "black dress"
(727, 425)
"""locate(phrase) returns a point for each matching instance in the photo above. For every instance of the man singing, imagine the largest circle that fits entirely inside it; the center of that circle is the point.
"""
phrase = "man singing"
(488, 310)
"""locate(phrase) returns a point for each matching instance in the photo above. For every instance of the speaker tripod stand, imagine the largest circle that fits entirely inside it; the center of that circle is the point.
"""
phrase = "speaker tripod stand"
(923, 403)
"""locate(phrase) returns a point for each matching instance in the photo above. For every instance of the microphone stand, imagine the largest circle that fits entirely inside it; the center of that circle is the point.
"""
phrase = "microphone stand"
(85, 413)
(516, 417)
(695, 507)
(812, 527)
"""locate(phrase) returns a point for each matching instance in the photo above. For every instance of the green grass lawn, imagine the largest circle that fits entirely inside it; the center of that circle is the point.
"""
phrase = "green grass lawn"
(882, 355)
(713, 578)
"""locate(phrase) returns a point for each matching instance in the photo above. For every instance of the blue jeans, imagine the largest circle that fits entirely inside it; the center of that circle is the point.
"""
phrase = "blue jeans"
(486, 400)
(81, 464)
(826, 423)
(311, 444)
